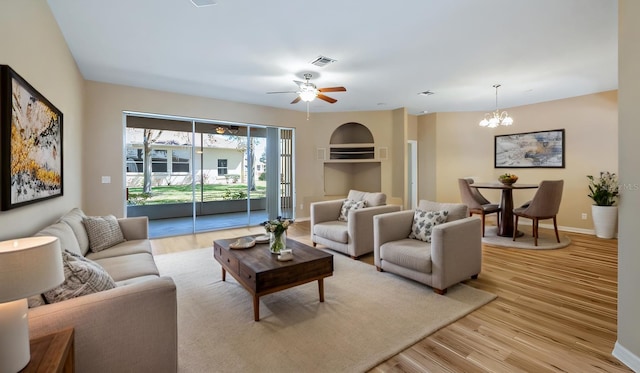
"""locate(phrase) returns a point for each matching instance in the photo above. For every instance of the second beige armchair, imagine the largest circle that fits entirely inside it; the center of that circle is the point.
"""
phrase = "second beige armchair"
(453, 255)
(353, 233)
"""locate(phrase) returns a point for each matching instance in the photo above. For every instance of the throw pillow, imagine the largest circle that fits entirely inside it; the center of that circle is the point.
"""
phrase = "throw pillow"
(349, 205)
(424, 221)
(103, 232)
(81, 277)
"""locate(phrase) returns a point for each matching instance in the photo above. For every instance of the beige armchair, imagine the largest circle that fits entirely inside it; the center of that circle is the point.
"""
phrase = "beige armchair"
(353, 237)
(453, 255)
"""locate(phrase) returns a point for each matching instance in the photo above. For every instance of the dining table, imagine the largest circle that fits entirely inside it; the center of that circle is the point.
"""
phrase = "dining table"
(506, 227)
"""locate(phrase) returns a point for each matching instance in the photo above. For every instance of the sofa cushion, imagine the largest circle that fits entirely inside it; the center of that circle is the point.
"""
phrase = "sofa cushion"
(332, 230)
(456, 210)
(103, 232)
(74, 219)
(408, 253)
(81, 277)
(67, 238)
(129, 266)
(423, 223)
(124, 248)
(371, 198)
(349, 205)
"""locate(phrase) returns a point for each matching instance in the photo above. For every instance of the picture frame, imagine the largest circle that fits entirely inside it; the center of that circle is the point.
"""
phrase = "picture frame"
(540, 149)
(31, 143)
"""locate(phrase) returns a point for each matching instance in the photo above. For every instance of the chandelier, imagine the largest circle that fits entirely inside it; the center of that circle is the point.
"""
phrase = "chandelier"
(497, 118)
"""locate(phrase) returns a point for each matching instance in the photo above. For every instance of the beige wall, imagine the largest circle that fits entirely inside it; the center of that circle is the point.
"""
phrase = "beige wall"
(465, 149)
(105, 104)
(34, 47)
(628, 345)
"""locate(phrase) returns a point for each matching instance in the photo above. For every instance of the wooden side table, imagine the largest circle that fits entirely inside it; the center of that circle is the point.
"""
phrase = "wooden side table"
(52, 353)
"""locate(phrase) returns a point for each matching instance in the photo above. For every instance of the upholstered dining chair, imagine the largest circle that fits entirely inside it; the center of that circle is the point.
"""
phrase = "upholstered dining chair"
(476, 202)
(544, 205)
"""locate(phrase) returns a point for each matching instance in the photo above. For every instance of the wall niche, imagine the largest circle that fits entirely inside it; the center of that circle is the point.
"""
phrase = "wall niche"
(352, 162)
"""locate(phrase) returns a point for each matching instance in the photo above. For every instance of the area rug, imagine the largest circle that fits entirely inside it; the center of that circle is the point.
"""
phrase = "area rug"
(366, 318)
(546, 241)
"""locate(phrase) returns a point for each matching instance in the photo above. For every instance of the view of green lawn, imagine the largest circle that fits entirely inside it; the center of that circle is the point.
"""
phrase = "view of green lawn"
(183, 193)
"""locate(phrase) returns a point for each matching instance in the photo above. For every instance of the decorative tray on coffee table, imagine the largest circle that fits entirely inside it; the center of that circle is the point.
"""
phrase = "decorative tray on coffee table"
(242, 243)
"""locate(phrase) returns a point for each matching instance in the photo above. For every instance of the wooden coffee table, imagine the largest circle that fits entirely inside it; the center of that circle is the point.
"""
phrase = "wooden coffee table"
(261, 273)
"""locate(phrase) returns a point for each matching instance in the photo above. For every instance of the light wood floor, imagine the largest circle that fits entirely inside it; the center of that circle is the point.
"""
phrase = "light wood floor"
(555, 312)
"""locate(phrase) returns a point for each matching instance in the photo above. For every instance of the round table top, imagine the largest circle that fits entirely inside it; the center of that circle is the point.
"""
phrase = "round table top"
(497, 185)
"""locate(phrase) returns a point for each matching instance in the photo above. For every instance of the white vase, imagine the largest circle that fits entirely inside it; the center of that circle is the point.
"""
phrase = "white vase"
(605, 220)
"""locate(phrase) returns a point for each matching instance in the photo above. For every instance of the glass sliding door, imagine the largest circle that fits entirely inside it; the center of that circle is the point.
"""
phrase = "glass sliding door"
(159, 177)
(192, 176)
(222, 186)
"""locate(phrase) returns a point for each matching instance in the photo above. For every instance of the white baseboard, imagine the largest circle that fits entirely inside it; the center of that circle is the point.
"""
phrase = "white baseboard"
(626, 357)
(562, 228)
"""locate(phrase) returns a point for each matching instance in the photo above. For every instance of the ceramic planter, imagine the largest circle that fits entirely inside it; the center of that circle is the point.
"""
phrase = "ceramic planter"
(605, 220)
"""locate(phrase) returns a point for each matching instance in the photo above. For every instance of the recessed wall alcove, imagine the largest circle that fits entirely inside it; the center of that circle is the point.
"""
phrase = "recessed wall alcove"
(352, 162)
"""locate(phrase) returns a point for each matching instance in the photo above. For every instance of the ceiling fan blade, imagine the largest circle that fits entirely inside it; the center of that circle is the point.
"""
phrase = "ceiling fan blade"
(282, 92)
(297, 99)
(326, 98)
(332, 89)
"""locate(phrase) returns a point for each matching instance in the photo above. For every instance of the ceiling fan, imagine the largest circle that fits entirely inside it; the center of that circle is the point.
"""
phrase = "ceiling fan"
(308, 91)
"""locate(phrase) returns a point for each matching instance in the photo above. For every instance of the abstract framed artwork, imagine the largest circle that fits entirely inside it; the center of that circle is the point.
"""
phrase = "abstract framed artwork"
(541, 149)
(31, 143)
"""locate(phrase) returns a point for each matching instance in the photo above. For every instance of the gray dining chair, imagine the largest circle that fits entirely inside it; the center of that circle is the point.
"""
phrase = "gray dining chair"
(544, 205)
(476, 202)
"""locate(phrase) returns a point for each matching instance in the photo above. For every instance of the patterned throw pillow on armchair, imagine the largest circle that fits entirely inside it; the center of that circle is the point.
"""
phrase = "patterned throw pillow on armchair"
(348, 205)
(423, 223)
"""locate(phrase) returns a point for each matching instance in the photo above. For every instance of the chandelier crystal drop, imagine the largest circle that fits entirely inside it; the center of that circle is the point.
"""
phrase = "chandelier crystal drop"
(497, 118)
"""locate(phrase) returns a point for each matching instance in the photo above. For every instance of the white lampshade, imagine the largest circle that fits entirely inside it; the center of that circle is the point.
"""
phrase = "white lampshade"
(28, 266)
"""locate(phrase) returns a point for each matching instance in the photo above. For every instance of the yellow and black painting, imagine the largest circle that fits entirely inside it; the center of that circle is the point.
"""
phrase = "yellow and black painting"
(32, 158)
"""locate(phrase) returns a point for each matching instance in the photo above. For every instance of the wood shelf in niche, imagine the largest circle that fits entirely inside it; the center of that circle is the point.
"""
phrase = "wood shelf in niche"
(352, 153)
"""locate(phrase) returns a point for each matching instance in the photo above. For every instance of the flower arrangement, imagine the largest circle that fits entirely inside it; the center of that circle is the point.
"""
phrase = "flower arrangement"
(603, 190)
(508, 178)
(277, 229)
(277, 225)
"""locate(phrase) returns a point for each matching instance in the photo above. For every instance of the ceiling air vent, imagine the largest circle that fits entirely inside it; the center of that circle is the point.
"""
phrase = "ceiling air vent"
(322, 61)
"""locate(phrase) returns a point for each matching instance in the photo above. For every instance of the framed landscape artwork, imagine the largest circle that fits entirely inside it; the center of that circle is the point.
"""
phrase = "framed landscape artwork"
(31, 143)
(543, 149)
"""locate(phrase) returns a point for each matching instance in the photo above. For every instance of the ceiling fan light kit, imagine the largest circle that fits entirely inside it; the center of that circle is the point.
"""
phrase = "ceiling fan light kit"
(308, 91)
(497, 118)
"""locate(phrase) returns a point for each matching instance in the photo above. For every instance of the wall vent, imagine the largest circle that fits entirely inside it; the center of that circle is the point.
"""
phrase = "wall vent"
(322, 61)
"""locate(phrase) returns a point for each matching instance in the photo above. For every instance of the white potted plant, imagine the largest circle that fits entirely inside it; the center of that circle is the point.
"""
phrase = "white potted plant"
(604, 191)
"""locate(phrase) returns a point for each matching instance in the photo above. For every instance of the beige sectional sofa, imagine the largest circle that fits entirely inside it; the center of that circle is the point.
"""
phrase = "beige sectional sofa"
(129, 328)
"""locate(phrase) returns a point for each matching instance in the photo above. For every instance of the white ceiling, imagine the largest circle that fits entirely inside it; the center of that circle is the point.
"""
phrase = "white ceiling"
(386, 51)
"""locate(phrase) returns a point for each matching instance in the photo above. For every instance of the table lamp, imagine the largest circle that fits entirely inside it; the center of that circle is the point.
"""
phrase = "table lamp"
(28, 266)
